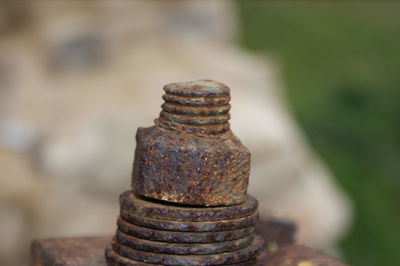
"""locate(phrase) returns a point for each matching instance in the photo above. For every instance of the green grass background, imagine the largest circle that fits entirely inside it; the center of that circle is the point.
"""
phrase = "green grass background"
(341, 67)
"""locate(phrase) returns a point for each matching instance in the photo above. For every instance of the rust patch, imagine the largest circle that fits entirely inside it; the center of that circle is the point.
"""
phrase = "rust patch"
(69, 251)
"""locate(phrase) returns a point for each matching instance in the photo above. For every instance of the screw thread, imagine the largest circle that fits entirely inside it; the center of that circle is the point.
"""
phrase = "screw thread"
(198, 107)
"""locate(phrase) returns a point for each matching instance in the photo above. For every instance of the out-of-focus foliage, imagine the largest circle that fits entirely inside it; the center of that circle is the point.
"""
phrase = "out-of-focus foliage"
(341, 65)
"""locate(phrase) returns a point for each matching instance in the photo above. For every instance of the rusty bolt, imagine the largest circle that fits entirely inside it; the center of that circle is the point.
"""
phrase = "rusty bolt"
(191, 156)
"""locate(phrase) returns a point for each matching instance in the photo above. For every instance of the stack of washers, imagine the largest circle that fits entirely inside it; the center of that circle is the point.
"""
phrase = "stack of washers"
(188, 205)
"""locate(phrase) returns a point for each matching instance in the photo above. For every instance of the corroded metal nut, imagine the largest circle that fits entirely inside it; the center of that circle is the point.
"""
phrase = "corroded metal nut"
(191, 156)
(185, 168)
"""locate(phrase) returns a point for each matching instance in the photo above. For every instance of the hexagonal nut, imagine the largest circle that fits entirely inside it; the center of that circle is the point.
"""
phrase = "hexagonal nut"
(188, 169)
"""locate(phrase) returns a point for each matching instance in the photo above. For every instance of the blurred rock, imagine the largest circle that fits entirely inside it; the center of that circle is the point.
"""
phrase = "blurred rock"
(82, 76)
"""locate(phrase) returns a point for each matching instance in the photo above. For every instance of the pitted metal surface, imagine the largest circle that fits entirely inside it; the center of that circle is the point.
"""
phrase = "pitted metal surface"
(183, 237)
(165, 211)
(186, 226)
(183, 248)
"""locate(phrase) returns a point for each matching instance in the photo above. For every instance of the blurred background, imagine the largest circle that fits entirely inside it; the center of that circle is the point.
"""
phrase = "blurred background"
(339, 62)
(314, 97)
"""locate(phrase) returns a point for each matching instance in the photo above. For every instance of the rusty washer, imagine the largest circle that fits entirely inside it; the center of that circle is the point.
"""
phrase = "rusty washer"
(183, 237)
(185, 226)
(162, 210)
(213, 259)
(183, 248)
(114, 259)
